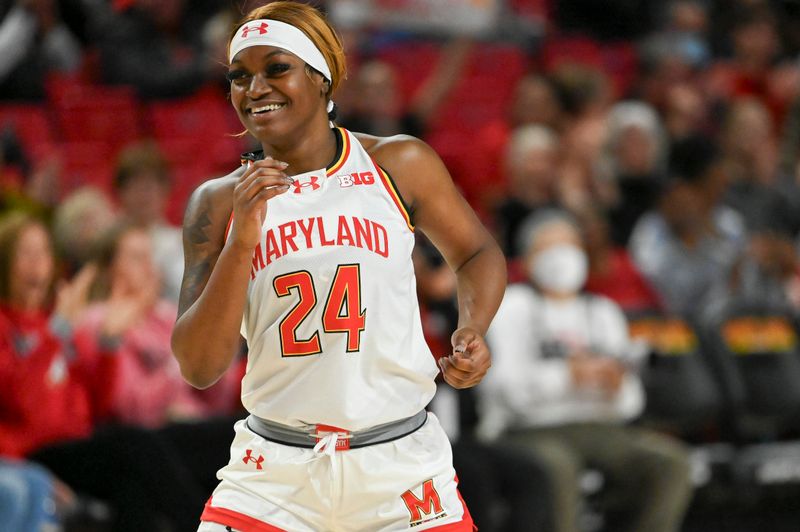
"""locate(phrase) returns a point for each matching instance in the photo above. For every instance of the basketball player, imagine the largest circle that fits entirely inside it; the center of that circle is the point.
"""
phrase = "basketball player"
(307, 247)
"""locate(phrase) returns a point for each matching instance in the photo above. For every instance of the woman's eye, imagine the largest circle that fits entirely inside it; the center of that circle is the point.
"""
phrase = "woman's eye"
(238, 76)
(277, 68)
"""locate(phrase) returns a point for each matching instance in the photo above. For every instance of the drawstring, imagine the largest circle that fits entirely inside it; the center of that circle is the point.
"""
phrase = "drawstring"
(327, 444)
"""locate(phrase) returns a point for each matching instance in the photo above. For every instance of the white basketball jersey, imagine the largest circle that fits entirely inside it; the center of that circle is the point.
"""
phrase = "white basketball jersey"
(332, 319)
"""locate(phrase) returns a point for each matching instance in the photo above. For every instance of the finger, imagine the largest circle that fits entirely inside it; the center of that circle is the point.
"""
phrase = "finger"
(450, 370)
(458, 382)
(255, 166)
(266, 194)
(462, 363)
(265, 178)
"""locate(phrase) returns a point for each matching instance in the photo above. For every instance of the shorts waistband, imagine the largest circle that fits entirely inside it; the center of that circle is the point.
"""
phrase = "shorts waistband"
(308, 438)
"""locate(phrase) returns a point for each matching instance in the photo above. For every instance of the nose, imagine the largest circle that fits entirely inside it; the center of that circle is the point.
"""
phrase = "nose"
(259, 86)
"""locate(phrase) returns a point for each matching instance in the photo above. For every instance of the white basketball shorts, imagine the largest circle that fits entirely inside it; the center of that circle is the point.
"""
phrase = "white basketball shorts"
(405, 484)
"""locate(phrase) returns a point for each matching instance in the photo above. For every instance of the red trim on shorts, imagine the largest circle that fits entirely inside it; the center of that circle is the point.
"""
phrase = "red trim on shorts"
(465, 525)
(245, 523)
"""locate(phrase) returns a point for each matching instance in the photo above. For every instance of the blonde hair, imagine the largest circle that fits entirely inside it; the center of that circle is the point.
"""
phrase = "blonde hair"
(311, 22)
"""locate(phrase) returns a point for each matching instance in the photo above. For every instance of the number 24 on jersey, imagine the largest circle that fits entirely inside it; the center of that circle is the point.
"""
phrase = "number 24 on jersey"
(342, 312)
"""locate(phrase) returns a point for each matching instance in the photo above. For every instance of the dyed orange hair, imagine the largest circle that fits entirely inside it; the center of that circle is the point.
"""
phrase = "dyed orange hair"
(311, 22)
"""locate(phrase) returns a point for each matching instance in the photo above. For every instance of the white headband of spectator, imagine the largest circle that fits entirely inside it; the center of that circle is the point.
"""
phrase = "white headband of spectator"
(266, 32)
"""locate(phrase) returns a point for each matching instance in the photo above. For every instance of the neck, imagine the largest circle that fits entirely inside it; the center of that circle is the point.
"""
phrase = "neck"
(25, 305)
(313, 149)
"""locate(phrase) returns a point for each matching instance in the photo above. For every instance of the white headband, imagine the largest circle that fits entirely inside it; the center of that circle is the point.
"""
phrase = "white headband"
(266, 32)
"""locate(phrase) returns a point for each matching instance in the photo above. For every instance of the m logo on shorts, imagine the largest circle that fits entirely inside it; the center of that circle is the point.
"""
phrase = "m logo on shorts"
(424, 509)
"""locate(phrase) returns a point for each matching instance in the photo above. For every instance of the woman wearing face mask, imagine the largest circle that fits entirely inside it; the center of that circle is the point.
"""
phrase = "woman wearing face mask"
(563, 387)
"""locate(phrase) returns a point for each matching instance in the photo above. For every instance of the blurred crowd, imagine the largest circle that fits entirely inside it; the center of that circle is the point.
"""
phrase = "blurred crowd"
(639, 166)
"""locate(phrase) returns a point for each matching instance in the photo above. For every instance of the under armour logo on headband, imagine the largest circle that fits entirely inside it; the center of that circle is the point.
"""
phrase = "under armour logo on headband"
(261, 29)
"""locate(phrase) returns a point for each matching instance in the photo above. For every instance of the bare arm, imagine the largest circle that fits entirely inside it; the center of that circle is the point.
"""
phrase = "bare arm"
(469, 249)
(214, 289)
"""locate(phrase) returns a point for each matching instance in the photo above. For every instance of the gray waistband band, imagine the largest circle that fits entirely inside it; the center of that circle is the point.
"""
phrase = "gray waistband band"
(297, 437)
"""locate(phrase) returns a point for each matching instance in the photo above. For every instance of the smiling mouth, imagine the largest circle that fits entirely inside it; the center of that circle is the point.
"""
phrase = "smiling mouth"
(266, 109)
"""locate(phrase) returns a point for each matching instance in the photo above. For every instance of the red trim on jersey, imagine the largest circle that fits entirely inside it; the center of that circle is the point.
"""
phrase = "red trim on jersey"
(394, 194)
(345, 153)
(465, 525)
(245, 523)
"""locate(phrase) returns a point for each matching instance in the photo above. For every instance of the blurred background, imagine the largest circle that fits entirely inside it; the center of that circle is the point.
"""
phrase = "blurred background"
(668, 132)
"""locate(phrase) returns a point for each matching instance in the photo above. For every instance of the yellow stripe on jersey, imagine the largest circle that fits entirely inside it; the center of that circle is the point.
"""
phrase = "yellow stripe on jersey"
(388, 183)
(345, 152)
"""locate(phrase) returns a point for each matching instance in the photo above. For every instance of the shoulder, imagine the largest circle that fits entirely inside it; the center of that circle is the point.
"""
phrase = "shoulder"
(520, 297)
(606, 309)
(212, 199)
(217, 189)
(416, 169)
(396, 151)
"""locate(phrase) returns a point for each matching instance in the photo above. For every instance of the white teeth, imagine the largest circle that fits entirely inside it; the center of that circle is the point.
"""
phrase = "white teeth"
(266, 108)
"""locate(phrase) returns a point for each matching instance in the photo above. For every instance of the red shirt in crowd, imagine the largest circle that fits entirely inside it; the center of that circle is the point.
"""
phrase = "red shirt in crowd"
(621, 282)
(48, 393)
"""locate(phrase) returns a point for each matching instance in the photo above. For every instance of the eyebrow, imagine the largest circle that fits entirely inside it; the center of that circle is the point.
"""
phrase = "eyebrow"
(279, 51)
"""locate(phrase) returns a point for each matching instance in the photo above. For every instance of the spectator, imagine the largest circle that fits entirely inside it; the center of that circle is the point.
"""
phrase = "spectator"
(564, 384)
(52, 398)
(586, 97)
(34, 41)
(612, 273)
(532, 164)
(142, 184)
(685, 111)
(378, 109)
(79, 221)
(131, 320)
(755, 70)
(635, 160)
(536, 101)
(691, 240)
(156, 46)
(750, 156)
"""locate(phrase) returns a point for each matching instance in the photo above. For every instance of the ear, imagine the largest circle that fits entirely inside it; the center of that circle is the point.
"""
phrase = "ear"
(319, 80)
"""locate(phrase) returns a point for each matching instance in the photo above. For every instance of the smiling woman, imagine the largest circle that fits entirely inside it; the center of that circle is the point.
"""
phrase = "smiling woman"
(306, 249)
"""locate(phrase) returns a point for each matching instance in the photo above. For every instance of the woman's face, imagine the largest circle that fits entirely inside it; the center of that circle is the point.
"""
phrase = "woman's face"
(273, 94)
(32, 268)
(133, 268)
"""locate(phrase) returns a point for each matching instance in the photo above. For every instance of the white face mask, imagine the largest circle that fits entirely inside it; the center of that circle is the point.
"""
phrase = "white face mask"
(561, 269)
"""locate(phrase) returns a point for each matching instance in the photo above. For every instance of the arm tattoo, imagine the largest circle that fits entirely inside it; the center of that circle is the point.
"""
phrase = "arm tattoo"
(194, 280)
(196, 233)
(200, 252)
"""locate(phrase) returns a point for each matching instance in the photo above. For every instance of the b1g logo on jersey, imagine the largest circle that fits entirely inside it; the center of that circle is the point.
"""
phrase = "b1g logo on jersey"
(356, 178)
(425, 509)
(307, 185)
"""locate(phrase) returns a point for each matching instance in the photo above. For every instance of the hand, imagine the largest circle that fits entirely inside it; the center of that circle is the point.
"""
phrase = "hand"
(260, 182)
(72, 297)
(124, 310)
(470, 360)
(590, 371)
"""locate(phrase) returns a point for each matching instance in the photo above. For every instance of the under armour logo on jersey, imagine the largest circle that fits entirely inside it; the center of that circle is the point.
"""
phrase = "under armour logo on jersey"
(261, 29)
(300, 186)
(249, 458)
